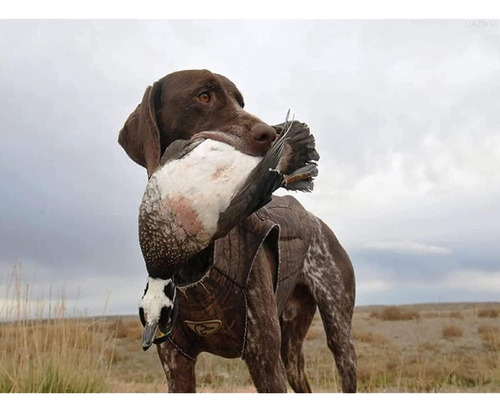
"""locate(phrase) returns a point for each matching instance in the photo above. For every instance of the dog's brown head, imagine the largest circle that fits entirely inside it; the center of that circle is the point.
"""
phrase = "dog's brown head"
(184, 103)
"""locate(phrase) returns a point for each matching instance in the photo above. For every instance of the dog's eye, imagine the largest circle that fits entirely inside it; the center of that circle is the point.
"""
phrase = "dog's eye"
(204, 97)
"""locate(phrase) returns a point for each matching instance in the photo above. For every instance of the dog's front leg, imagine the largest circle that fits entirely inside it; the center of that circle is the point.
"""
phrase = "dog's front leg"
(262, 352)
(178, 368)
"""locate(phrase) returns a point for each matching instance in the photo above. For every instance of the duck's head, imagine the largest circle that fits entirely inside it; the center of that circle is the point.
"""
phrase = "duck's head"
(157, 310)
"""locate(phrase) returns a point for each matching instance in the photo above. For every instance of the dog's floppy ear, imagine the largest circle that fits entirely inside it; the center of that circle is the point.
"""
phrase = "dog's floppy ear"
(140, 136)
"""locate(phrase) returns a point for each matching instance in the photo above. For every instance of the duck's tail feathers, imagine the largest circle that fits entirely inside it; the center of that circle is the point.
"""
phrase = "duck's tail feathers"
(301, 179)
(298, 158)
(299, 149)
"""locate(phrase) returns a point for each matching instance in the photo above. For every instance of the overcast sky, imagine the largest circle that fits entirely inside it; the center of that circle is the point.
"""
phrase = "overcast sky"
(406, 115)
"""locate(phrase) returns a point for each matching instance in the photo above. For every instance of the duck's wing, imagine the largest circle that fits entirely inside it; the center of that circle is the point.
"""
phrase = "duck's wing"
(294, 152)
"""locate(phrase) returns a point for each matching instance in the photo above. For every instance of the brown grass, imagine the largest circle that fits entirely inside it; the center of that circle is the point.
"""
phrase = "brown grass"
(430, 314)
(395, 313)
(456, 314)
(490, 337)
(130, 329)
(488, 313)
(372, 338)
(429, 346)
(62, 354)
(51, 353)
(452, 331)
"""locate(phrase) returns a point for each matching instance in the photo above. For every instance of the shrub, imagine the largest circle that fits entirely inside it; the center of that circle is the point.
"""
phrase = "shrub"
(456, 314)
(452, 331)
(395, 313)
(491, 313)
(490, 337)
(372, 338)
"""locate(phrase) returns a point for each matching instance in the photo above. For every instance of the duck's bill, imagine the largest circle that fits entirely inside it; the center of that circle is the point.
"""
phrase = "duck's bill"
(148, 334)
(154, 334)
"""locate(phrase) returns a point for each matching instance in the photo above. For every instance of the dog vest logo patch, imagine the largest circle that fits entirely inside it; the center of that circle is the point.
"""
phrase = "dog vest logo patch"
(204, 328)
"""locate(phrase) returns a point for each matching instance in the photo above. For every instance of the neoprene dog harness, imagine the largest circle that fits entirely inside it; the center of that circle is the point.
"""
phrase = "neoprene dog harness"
(212, 309)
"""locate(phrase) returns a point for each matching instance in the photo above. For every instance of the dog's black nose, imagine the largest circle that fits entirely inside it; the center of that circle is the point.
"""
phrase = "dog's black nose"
(263, 133)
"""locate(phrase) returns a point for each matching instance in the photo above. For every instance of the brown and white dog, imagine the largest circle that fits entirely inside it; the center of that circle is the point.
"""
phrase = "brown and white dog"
(253, 293)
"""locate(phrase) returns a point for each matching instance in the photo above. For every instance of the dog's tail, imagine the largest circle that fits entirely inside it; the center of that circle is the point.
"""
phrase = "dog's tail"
(298, 159)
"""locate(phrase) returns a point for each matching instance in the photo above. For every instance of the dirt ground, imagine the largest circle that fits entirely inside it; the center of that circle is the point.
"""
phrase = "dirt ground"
(416, 348)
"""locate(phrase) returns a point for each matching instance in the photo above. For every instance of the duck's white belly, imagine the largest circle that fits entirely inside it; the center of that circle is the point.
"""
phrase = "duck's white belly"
(198, 187)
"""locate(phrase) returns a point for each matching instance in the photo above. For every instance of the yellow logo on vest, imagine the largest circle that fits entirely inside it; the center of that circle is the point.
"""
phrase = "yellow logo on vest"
(204, 328)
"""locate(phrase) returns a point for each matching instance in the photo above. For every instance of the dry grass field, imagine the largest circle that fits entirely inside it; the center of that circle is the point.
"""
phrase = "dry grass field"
(415, 348)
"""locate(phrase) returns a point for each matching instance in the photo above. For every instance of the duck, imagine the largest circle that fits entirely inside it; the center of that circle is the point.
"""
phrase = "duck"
(205, 185)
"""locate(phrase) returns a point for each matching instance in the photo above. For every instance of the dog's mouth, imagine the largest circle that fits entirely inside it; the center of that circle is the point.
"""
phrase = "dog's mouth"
(233, 140)
(257, 148)
(217, 136)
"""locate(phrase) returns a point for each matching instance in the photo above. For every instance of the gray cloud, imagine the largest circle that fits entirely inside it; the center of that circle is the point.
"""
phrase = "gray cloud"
(405, 114)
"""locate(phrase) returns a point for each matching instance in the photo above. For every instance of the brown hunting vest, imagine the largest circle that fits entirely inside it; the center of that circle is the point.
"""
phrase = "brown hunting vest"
(212, 311)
